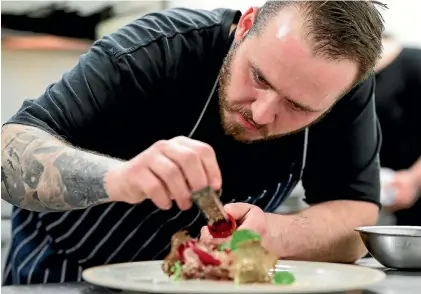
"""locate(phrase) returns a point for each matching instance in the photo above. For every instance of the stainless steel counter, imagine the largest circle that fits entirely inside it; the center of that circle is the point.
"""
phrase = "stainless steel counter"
(396, 282)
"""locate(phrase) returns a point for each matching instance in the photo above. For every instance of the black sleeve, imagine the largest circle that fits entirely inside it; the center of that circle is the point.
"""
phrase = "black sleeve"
(108, 83)
(125, 73)
(343, 151)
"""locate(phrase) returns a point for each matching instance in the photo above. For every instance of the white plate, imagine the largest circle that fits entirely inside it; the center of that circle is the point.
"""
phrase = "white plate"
(311, 277)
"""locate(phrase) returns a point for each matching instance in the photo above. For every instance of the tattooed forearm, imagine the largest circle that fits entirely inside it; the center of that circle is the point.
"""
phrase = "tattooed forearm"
(40, 172)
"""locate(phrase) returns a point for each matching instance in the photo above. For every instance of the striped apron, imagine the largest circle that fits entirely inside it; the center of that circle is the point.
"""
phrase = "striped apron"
(57, 247)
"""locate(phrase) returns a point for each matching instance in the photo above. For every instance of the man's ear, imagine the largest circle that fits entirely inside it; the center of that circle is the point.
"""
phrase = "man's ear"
(245, 23)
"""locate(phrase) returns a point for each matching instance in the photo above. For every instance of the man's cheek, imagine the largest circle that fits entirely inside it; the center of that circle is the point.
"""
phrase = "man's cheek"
(239, 87)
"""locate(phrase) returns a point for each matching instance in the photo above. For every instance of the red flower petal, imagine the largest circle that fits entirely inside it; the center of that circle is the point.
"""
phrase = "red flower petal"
(223, 229)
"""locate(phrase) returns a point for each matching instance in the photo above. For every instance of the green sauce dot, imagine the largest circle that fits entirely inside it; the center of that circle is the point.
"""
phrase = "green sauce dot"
(283, 278)
(176, 270)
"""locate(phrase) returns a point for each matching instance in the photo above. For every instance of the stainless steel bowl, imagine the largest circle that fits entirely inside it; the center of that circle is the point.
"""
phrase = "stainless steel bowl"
(397, 247)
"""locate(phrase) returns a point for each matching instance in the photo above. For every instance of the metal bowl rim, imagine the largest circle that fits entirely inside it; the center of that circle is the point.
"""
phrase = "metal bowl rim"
(364, 229)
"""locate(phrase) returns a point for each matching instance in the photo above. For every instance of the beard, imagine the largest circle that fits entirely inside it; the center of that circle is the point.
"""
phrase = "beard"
(234, 129)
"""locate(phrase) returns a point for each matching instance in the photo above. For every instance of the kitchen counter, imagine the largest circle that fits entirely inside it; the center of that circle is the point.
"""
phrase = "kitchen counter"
(396, 282)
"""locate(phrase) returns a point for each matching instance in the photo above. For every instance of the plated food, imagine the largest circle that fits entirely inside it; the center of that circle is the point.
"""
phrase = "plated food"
(193, 266)
(242, 260)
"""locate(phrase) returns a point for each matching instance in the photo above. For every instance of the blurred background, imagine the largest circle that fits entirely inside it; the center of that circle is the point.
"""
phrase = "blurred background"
(40, 40)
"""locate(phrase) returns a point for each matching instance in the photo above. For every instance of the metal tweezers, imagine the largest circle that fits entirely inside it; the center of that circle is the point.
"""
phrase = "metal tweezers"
(211, 206)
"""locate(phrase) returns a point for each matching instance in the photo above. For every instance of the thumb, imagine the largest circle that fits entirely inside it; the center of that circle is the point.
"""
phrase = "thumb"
(248, 217)
(237, 210)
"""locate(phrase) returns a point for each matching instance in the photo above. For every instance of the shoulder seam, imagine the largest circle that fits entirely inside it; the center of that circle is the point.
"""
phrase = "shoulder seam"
(134, 48)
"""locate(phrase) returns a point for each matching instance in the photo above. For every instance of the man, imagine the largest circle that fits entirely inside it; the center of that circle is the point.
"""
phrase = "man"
(398, 79)
(103, 164)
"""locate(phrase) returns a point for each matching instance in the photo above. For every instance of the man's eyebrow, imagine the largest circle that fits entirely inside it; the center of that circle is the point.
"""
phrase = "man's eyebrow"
(297, 104)
(302, 106)
(260, 73)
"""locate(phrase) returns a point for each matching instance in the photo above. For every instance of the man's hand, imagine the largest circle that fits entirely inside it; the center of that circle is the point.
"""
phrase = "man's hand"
(248, 217)
(41, 172)
(168, 170)
(323, 232)
(406, 189)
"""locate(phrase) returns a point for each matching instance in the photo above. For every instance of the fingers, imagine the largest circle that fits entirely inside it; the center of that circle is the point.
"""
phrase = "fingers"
(254, 219)
(248, 216)
(238, 210)
(206, 237)
(173, 182)
(151, 185)
(208, 159)
(172, 169)
(190, 164)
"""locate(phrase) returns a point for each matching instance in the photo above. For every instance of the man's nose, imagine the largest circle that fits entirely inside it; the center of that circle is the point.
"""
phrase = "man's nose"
(264, 109)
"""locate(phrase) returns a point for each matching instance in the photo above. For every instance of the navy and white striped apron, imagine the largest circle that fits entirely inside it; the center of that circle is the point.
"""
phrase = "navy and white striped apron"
(56, 247)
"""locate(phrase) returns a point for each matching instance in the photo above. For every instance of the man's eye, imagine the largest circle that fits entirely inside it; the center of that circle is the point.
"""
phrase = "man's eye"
(295, 106)
(258, 78)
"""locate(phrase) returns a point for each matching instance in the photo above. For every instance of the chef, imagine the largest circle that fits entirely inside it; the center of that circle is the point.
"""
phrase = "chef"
(102, 165)
(398, 88)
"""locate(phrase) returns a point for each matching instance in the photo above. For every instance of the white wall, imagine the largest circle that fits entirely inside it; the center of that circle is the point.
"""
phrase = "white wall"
(402, 18)
(205, 4)
(27, 73)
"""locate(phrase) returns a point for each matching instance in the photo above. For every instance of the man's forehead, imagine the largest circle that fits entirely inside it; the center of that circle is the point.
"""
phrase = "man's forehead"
(286, 59)
(287, 23)
(284, 34)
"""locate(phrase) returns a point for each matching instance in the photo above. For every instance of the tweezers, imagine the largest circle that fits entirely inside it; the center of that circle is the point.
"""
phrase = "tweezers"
(220, 223)
(211, 206)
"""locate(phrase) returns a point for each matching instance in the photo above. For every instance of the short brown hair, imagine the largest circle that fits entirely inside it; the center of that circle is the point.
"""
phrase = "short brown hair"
(336, 29)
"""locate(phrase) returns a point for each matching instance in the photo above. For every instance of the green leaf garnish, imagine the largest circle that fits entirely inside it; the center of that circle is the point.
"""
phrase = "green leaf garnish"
(176, 270)
(240, 236)
(223, 246)
(283, 278)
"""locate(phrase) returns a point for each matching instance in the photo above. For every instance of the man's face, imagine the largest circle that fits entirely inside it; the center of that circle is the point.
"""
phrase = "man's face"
(272, 85)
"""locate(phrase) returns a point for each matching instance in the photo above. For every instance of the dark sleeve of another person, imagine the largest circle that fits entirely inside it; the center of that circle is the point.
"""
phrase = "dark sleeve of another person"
(412, 71)
(343, 161)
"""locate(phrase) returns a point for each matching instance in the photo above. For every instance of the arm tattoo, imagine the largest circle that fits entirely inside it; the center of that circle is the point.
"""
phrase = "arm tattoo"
(40, 172)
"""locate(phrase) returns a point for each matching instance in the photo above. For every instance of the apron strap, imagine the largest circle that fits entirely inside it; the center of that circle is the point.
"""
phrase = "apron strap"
(304, 158)
(205, 107)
